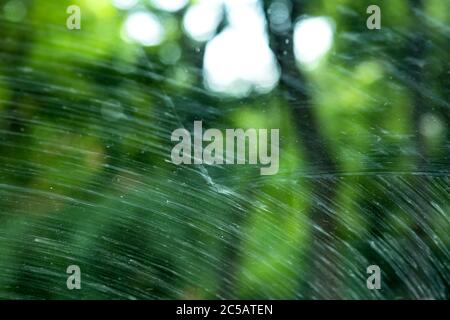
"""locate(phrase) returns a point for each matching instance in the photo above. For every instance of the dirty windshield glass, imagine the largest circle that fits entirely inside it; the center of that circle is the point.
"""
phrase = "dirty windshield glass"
(224, 149)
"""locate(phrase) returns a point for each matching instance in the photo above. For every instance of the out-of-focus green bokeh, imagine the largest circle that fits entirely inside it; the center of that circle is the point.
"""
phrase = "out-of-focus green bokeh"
(85, 174)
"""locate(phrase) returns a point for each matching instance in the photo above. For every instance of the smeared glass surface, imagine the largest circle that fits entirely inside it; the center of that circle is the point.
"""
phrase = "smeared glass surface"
(85, 173)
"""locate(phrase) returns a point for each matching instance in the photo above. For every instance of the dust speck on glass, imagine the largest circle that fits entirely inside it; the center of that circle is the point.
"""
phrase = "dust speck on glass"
(224, 149)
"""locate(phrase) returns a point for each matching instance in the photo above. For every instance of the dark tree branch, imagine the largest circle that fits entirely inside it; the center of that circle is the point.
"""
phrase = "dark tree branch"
(293, 86)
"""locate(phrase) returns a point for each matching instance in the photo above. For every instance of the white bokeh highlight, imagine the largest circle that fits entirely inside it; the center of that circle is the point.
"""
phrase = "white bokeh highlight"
(144, 28)
(313, 38)
(124, 4)
(238, 61)
(169, 5)
(201, 20)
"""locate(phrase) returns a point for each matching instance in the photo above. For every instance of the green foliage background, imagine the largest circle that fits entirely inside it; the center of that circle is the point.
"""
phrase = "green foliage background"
(359, 182)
